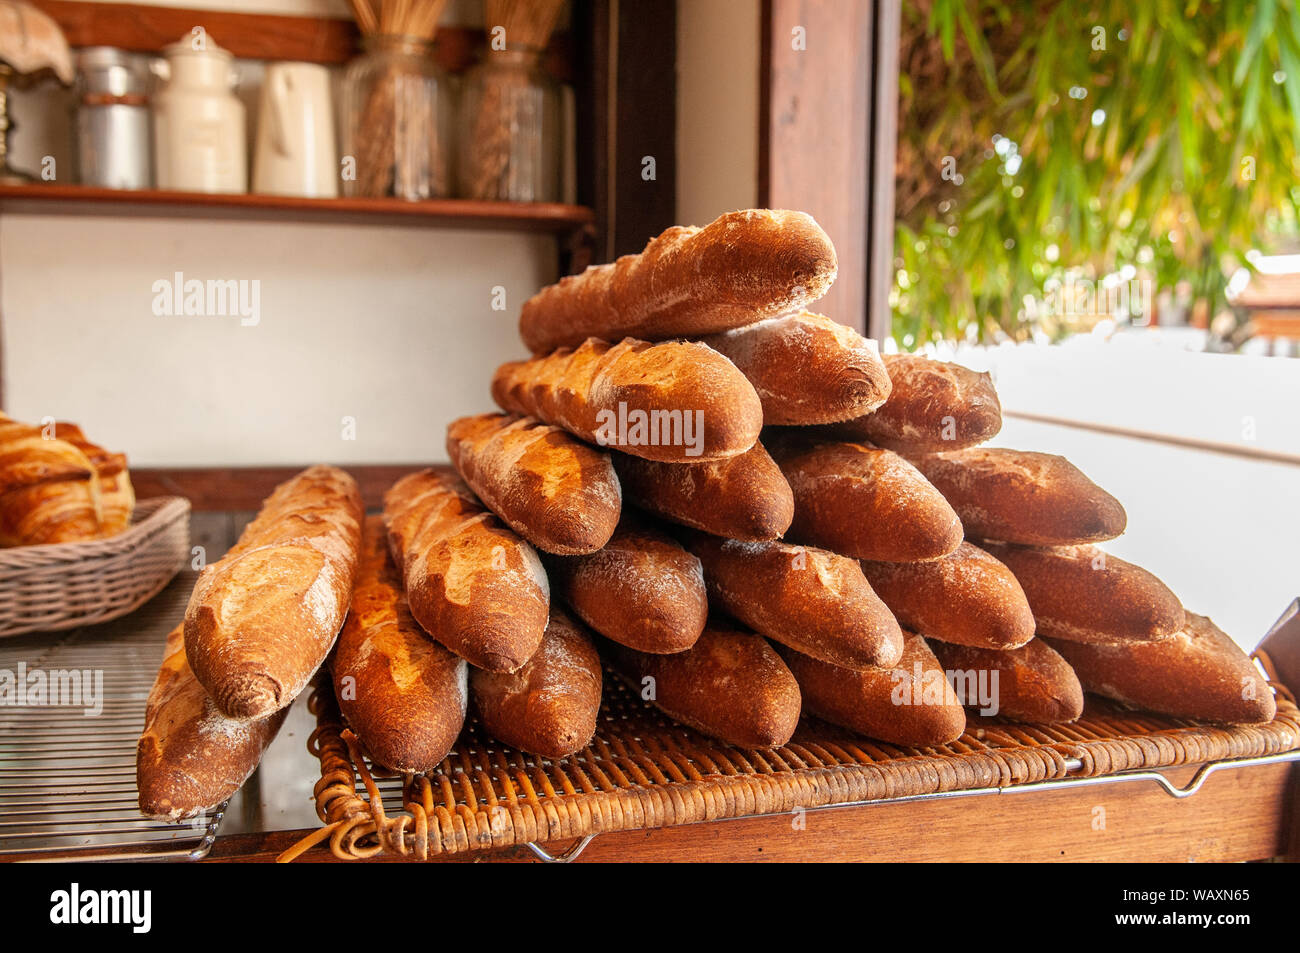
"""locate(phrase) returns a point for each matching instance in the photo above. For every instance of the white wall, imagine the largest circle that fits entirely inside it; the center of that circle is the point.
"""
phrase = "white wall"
(718, 46)
(390, 325)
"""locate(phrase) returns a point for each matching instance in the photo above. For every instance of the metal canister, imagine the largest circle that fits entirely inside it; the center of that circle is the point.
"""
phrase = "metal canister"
(113, 139)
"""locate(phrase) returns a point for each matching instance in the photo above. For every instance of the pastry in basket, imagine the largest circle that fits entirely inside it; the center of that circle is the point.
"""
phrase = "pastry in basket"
(48, 488)
(116, 495)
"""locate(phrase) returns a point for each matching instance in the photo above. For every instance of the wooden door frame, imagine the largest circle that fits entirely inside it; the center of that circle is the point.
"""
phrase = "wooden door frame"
(809, 160)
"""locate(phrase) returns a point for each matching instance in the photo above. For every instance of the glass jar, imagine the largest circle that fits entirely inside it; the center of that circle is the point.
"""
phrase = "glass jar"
(397, 116)
(509, 131)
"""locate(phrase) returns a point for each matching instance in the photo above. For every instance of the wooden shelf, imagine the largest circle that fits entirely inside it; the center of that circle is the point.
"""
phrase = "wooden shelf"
(545, 217)
(144, 28)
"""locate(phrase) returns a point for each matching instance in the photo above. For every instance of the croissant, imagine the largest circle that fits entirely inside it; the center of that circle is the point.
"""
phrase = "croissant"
(116, 494)
(58, 487)
(48, 491)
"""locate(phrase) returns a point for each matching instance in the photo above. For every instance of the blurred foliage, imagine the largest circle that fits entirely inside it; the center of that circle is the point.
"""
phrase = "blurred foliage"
(1084, 137)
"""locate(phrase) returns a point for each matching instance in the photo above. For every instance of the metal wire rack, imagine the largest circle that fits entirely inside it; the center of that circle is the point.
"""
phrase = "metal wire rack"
(67, 770)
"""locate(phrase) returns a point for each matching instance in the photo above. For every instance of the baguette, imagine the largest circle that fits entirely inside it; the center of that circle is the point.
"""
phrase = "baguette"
(806, 368)
(967, 597)
(806, 598)
(910, 704)
(262, 619)
(1034, 684)
(743, 267)
(744, 497)
(933, 406)
(864, 502)
(1199, 673)
(471, 583)
(731, 686)
(549, 706)
(677, 402)
(556, 492)
(642, 590)
(191, 757)
(403, 694)
(1082, 594)
(1018, 496)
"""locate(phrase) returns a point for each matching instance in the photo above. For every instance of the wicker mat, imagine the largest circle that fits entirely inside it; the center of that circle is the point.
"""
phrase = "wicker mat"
(643, 770)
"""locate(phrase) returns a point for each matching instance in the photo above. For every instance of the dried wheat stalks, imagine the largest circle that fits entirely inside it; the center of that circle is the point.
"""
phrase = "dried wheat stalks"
(528, 25)
(379, 143)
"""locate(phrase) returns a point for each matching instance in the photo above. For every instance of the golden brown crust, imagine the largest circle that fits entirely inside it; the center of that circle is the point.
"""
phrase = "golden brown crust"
(731, 686)
(471, 583)
(48, 488)
(806, 368)
(677, 401)
(549, 706)
(1019, 496)
(1199, 673)
(933, 406)
(966, 597)
(1034, 685)
(642, 589)
(558, 493)
(403, 694)
(807, 598)
(864, 502)
(190, 756)
(116, 494)
(263, 618)
(743, 267)
(909, 704)
(744, 497)
(1083, 594)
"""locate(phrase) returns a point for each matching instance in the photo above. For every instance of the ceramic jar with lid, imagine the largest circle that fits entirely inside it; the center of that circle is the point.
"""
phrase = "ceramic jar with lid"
(199, 137)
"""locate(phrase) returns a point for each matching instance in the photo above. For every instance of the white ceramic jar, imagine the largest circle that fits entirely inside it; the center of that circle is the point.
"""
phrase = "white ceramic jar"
(199, 138)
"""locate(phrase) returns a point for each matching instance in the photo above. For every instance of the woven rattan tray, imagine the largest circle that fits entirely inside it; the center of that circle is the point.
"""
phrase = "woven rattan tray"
(643, 770)
(65, 585)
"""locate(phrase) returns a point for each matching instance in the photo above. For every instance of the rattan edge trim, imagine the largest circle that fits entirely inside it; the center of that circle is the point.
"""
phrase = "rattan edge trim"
(352, 821)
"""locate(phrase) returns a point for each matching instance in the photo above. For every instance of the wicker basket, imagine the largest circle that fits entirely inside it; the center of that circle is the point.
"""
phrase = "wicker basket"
(65, 585)
(642, 771)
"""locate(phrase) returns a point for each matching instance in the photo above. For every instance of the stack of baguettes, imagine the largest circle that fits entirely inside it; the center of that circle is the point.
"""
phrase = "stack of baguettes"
(623, 506)
(735, 581)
